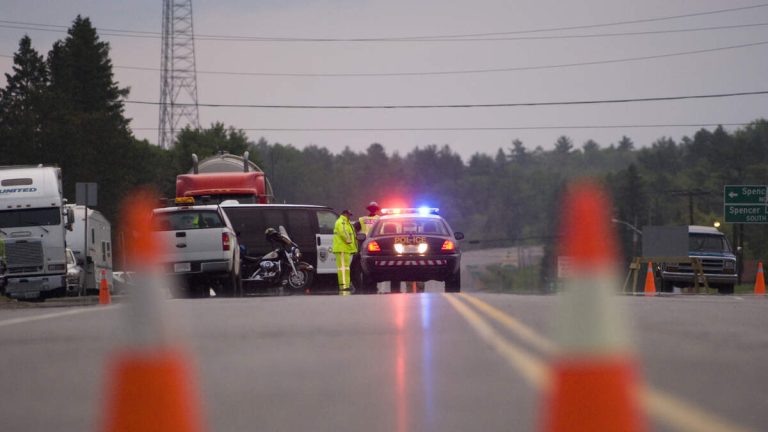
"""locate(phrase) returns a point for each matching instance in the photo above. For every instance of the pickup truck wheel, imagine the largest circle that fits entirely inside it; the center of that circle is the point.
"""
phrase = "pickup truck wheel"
(667, 286)
(229, 287)
(725, 289)
(199, 289)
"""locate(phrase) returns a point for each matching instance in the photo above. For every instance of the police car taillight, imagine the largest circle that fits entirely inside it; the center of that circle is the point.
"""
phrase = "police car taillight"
(448, 246)
(374, 247)
(225, 242)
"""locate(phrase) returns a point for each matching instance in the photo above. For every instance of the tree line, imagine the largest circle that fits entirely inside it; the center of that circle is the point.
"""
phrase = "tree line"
(66, 109)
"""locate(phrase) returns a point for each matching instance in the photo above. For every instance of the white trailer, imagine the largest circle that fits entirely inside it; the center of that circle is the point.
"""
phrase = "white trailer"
(33, 222)
(97, 259)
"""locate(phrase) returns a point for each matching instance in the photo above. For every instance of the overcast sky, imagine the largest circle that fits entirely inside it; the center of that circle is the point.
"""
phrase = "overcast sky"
(720, 71)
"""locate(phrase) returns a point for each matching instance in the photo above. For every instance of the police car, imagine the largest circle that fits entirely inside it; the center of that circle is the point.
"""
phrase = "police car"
(411, 244)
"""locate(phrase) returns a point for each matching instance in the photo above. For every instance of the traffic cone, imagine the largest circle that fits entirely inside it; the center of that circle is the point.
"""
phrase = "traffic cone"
(760, 280)
(104, 297)
(150, 386)
(594, 385)
(650, 284)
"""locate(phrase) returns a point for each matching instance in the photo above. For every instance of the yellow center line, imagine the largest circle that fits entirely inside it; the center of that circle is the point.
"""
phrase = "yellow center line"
(532, 369)
(666, 408)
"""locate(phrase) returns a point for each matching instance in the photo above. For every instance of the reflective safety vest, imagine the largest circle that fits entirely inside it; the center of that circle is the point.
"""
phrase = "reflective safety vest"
(344, 236)
(366, 222)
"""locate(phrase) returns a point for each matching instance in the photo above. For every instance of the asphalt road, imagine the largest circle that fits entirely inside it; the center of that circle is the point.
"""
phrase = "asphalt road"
(403, 362)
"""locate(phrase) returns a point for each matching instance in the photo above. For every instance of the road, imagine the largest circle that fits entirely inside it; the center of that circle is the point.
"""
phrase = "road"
(403, 362)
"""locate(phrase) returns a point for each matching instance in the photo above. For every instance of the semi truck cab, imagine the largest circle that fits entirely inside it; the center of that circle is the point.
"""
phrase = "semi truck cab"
(33, 222)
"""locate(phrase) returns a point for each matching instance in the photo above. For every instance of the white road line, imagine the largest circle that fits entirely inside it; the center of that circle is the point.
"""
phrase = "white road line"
(27, 319)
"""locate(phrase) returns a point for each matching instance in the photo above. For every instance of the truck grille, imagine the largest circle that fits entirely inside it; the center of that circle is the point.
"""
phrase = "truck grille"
(24, 255)
(709, 265)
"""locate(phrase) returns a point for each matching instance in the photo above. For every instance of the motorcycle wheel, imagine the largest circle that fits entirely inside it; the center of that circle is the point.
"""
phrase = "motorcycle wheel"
(300, 280)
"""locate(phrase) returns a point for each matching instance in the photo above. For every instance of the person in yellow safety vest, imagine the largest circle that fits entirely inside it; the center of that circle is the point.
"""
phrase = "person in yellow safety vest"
(344, 246)
(374, 213)
(365, 223)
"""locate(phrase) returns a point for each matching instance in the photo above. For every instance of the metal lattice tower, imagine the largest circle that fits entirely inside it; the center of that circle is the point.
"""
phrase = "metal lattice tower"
(178, 79)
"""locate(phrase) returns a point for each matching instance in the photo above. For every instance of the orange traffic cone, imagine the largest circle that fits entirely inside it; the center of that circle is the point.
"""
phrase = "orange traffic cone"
(594, 383)
(760, 280)
(150, 388)
(650, 284)
(104, 297)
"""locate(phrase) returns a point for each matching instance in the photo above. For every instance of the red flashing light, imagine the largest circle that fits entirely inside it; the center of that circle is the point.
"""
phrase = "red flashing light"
(374, 247)
(226, 243)
(448, 246)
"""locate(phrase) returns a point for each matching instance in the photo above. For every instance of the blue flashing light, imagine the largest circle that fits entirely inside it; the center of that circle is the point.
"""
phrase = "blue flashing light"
(423, 211)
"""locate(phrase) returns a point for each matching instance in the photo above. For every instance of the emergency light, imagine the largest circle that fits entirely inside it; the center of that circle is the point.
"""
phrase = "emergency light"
(411, 210)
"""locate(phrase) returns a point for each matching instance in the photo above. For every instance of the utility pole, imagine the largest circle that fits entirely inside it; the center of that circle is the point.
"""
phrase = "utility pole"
(690, 193)
(178, 76)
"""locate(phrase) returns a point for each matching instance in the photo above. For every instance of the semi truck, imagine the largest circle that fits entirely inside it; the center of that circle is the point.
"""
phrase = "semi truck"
(96, 258)
(223, 177)
(34, 220)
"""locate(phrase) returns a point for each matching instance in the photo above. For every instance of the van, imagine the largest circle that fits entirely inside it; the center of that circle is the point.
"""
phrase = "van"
(309, 226)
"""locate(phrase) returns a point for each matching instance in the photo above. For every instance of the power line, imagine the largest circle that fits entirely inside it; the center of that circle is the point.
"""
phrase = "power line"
(493, 105)
(150, 35)
(503, 128)
(465, 71)
(137, 33)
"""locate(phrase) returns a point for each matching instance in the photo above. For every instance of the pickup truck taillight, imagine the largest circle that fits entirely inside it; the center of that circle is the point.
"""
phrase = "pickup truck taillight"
(225, 242)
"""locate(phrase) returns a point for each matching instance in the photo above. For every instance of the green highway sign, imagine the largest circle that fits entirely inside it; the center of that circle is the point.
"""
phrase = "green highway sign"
(746, 213)
(745, 204)
(745, 195)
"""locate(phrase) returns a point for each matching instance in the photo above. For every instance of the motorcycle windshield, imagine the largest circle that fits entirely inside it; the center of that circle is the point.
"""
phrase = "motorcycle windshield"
(284, 236)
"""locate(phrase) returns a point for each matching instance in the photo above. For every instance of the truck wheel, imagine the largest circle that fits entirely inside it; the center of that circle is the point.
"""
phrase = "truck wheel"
(667, 286)
(453, 283)
(725, 289)
(229, 287)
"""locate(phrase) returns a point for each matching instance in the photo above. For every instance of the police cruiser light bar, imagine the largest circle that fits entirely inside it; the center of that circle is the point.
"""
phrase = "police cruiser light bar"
(411, 210)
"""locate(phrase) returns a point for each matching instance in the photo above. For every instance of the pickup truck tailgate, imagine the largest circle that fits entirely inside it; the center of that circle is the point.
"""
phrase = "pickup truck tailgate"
(193, 245)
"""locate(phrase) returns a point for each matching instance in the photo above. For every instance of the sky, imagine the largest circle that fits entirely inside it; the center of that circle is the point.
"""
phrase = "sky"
(541, 55)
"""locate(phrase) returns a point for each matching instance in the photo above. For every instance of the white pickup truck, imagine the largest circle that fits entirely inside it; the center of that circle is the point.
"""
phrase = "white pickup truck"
(201, 249)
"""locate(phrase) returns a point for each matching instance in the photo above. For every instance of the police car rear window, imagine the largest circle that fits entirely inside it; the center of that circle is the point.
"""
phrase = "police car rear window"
(410, 226)
(187, 220)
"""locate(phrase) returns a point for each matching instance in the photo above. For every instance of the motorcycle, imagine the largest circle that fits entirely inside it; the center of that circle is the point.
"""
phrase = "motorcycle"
(281, 268)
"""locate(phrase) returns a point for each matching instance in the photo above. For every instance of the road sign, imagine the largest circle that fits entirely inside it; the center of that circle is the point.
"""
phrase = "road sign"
(86, 194)
(745, 204)
(745, 194)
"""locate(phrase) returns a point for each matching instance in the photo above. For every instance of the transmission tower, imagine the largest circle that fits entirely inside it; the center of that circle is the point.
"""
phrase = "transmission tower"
(178, 79)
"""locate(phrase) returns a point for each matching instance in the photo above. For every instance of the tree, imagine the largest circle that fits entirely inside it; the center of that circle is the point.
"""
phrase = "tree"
(518, 153)
(207, 142)
(86, 124)
(22, 107)
(563, 145)
(625, 144)
(590, 147)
